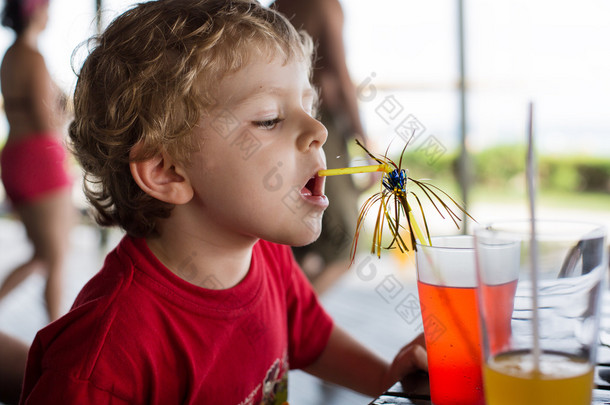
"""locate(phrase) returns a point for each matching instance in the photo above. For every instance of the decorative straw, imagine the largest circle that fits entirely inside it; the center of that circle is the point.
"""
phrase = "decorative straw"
(376, 168)
(418, 233)
(531, 177)
(354, 170)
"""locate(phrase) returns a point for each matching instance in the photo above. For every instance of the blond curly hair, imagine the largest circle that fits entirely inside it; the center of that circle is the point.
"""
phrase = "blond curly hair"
(148, 80)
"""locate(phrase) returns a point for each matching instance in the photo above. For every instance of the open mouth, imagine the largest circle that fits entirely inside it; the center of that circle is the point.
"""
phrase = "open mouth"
(314, 187)
(313, 191)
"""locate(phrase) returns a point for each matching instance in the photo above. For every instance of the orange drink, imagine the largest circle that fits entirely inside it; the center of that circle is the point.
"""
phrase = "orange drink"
(446, 281)
(453, 343)
(451, 324)
(562, 380)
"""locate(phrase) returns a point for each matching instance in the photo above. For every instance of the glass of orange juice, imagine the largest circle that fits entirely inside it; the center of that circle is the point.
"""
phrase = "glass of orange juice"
(547, 353)
(446, 281)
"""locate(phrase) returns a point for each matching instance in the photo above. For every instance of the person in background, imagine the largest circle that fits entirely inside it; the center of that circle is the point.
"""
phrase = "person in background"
(13, 356)
(325, 260)
(181, 110)
(33, 160)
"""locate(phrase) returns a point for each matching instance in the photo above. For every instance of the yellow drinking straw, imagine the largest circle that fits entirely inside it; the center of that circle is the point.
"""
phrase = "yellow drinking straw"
(353, 170)
(371, 169)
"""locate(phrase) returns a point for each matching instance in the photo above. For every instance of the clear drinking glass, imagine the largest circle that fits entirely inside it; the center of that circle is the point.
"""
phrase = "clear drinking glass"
(547, 353)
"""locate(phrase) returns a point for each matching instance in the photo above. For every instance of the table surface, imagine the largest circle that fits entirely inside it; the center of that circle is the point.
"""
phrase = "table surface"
(416, 390)
(417, 393)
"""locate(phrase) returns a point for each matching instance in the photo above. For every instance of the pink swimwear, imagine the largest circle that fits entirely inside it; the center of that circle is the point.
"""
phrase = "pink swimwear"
(32, 167)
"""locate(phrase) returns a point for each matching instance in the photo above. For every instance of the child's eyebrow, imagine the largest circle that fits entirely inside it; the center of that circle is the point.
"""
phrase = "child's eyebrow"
(260, 91)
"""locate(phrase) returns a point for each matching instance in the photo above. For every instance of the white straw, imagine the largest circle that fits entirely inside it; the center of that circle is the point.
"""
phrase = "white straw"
(531, 178)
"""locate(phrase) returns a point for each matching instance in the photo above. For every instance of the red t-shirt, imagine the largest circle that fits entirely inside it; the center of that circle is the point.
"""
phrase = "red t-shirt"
(139, 334)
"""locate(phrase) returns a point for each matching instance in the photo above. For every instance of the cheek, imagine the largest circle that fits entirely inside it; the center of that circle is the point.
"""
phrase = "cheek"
(274, 179)
(252, 188)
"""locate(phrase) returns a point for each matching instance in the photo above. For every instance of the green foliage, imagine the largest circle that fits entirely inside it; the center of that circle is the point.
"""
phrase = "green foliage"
(421, 166)
(577, 173)
(504, 167)
(499, 165)
(561, 177)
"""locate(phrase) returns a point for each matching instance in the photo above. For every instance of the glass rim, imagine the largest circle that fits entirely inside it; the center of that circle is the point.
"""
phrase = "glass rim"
(421, 245)
(562, 228)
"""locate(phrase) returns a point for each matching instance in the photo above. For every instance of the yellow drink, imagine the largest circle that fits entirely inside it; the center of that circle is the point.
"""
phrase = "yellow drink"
(510, 379)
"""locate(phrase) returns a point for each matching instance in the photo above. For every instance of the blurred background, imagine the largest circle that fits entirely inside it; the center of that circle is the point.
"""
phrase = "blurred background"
(405, 57)
(456, 78)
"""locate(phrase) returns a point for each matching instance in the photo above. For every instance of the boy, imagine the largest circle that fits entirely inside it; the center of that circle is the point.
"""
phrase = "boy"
(193, 123)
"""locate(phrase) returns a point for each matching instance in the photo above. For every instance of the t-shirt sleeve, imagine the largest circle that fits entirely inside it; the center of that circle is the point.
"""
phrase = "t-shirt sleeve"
(309, 325)
(54, 387)
(49, 381)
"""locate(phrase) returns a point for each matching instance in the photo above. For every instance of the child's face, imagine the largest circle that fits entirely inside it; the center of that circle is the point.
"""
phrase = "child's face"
(260, 150)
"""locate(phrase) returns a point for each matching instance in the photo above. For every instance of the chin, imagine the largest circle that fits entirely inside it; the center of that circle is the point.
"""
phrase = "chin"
(300, 232)
(309, 242)
(299, 240)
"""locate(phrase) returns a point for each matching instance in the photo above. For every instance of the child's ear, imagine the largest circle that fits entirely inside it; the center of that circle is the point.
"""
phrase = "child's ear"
(162, 179)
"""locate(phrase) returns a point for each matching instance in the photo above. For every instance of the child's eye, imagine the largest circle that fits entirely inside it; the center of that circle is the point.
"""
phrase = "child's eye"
(268, 124)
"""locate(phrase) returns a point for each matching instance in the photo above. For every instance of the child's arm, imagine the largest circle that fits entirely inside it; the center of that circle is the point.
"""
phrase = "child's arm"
(346, 362)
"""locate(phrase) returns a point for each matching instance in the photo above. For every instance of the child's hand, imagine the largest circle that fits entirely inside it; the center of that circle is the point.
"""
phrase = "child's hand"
(410, 358)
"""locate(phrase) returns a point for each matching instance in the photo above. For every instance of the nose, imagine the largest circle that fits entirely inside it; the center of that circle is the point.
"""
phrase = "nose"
(313, 134)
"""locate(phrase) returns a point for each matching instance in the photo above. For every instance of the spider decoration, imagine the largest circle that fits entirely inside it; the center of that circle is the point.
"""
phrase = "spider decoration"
(395, 210)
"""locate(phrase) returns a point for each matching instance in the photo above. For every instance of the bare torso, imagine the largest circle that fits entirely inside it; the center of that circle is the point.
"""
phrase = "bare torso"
(31, 98)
